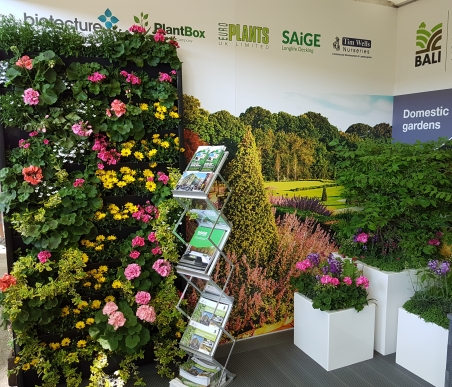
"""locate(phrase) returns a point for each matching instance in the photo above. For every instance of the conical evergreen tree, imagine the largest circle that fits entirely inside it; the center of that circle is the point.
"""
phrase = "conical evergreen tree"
(324, 195)
(249, 210)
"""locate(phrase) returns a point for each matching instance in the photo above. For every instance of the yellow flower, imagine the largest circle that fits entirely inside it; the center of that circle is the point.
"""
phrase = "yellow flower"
(125, 152)
(85, 258)
(165, 144)
(121, 184)
(95, 304)
(125, 217)
(81, 344)
(101, 279)
(108, 185)
(109, 299)
(128, 178)
(176, 141)
(144, 142)
(16, 359)
(84, 242)
(117, 217)
(97, 286)
(65, 342)
(182, 150)
(82, 304)
(178, 335)
(76, 311)
(111, 238)
(99, 248)
(102, 269)
(156, 135)
(139, 155)
(87, 284)
(157, 104)
(99, 215)
(54, 346)
(26, 366)
(151, 186)
(100, 238)
(65, 311)
(148, 173)
(144, 106)
(80, 325)
(153, 165)
(172, 134)
(131, 207)
(125, 170)
(116, 284)
(34, 362)
(113, 208)
(152, 153)
(174, 115)
(89, 321)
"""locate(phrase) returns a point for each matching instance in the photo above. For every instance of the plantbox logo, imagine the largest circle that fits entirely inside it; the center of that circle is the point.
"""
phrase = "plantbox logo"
(186, 31)
(79, 25)
(245, 35)
(429, 43)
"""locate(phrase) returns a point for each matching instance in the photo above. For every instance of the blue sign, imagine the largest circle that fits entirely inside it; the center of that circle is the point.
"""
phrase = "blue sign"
(422, 116)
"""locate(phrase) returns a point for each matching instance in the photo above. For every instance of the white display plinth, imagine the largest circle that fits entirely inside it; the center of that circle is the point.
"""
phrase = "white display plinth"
(336, 338)
(390, 290)
(422, 348)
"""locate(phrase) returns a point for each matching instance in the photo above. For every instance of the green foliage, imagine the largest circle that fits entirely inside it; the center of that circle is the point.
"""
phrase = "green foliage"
(324, 195)
(249, 211)
(405, 192)
(429, 308)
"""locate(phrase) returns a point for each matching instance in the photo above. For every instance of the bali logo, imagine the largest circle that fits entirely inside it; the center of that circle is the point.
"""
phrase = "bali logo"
(108, 19)
(429, 43)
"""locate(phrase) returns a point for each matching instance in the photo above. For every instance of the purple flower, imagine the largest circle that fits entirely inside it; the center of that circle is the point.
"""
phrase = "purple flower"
(439, 268)
(314, 258)
(334, 265)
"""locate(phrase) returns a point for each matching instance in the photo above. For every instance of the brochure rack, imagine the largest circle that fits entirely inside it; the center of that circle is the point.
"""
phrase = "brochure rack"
(206, 324)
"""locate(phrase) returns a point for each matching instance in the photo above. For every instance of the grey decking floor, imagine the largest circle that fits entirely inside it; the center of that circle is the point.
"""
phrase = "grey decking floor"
(273, 360)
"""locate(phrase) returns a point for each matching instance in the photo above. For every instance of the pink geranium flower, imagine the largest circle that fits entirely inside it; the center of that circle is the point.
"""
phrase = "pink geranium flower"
(134, 254)
(43, 256)
(362, 281)
(334, 281)
(117, 320)
(31, 97)
(152, 237)
(142, 298)
(362, 237)
(25, 62)
(132, 271)
(162, 267)
(146, 313)
(174, 43)
(109, 308)
(82, 129)
(160, 35)
(157, 250)
(118, 107)
(162, 177)
(138, 241)
(164, 77)
(303, 265)
(138, 29)
(96, 77)
(347, 280)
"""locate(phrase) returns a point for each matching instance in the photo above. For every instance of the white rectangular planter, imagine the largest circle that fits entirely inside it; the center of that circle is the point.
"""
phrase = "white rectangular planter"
(422, 348)
(390, 290)
(335, 338)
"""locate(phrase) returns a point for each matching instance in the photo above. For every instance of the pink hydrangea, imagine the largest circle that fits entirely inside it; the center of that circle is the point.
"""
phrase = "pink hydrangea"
(347, 280)
(160, 35)
(152, 237)
(132, 271)
(138, 241)
(134, 254)
(78, 182)
(303, 265)
(116, 319)
(25, 62)
(96, 77)
(31, 97)
(138, 29)
(118, 107)
(43, 256)
(142, 298)
(162, 267)
(362, 237)
(164, 77)
(109, 308)
(362, 281)
(157, 250)
(146, 313)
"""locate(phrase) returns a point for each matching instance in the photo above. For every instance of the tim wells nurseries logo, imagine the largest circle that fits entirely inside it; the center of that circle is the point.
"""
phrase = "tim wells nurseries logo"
(429, 45)
(243, 35)
(352, 47)
(295, 41)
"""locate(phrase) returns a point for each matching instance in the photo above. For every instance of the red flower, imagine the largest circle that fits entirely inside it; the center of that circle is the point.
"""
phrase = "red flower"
(7, 281)
(32, 174)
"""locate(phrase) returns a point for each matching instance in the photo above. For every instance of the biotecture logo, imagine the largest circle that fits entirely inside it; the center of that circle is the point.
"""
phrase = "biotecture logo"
(429, 43)
(108, 19)
(79, 25)
(243, 35)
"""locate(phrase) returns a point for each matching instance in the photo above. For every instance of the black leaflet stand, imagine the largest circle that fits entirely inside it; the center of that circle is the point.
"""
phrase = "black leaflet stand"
(206, 324)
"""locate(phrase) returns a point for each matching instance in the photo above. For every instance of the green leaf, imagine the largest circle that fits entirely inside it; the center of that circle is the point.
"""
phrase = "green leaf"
(136, 19)
(132, 341)
(50, 75)
(110, 343)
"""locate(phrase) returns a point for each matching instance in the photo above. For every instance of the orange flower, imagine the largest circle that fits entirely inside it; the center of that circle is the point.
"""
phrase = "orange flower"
(6, 281)
(32, 174)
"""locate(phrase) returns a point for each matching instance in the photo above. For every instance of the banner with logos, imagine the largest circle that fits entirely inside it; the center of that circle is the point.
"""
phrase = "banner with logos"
(332, 57)
(423, 81)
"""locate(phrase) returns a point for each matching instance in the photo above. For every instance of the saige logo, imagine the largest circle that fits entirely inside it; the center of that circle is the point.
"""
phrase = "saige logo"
(429, 43)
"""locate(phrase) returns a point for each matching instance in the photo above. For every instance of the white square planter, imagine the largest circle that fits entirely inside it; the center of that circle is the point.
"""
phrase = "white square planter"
(422, 348)
(336, 338)
(390, 290)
